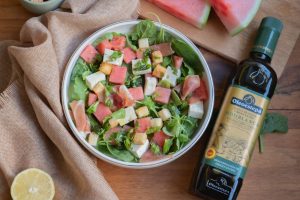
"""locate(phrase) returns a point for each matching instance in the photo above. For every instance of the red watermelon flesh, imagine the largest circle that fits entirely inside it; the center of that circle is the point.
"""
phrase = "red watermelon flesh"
(235, 15)
(194, 12)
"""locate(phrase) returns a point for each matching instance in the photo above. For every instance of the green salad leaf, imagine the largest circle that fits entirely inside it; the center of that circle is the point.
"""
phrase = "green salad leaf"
(167, 60)
(154, 148)
(77, 90)
(151, 105)
(167, 145)
(273, 123)
(92, 108)
(144, 29)
(190, 57)
(130, 44)
(106, 36)
(123, 155)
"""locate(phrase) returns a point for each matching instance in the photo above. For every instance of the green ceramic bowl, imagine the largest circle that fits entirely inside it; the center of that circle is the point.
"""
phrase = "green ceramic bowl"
(40, 8)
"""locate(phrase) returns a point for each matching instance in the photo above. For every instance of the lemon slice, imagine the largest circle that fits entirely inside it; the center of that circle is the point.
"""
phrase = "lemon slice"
(32, 184)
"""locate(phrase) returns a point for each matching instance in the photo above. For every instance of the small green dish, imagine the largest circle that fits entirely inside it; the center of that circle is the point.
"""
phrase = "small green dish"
(40, 8)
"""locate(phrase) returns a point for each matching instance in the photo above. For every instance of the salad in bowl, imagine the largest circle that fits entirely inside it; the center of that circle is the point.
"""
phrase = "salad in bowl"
(138, 94)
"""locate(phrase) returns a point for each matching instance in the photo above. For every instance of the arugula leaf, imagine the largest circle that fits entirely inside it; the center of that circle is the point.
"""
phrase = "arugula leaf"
(167, 145)
(154, 148)
(92, 109)
(184, 50)
(150, 105)
(273, 123)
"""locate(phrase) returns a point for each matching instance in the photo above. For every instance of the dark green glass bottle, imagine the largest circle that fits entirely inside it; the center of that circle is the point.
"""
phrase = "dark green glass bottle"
(222, 170)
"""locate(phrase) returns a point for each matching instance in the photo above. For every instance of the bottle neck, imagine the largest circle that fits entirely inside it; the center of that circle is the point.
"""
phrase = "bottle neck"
(260, 56)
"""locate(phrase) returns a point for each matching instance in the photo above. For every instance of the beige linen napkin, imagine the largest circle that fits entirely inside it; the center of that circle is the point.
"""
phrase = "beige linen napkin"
(33, 130)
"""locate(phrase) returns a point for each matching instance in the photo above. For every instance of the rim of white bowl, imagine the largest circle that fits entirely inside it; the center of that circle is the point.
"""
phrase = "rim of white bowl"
(114, 161)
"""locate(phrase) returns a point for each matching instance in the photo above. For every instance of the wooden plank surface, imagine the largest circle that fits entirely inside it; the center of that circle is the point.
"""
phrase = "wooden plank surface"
(215, 38)
(272, 175)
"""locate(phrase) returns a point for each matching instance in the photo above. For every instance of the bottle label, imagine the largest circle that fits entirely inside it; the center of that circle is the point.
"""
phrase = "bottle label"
(236, 130)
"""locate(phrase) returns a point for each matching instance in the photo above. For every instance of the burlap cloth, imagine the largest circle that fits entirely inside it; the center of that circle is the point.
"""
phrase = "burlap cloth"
(33, 130)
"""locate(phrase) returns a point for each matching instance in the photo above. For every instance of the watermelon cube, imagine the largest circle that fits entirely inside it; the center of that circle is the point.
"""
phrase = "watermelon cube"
(102, 111)
(118, 75)
(92, 98)
(177, 60)
(89, 53)
(129, 55)
(142, 124)
(162, 95)
(159, 138)
(137, 93)
(200, 94)
(118, 42)
(140, 53)
(105, 44)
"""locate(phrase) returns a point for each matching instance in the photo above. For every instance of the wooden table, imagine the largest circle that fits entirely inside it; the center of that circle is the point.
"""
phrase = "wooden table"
(274, 174)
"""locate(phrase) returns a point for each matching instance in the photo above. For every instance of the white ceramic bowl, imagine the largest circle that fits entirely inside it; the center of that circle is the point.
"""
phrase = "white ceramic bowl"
(126, 27)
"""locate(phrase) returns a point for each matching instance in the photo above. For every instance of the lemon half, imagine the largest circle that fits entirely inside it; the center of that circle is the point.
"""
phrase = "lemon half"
(32, 184)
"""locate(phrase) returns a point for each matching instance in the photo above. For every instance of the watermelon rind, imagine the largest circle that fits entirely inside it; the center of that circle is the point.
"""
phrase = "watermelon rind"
(247, 21)
(204, 17)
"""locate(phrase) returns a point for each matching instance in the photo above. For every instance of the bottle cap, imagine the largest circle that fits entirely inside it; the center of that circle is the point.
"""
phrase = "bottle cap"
(267, 37)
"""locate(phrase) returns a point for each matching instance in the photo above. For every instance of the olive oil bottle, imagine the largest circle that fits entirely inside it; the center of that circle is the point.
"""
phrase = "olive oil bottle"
(221, 172)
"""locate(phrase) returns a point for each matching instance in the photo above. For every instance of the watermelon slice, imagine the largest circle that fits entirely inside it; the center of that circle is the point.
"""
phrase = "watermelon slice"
(235, 15)
(194, 12)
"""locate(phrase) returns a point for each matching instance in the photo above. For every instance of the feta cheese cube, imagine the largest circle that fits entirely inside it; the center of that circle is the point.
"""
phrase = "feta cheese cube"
(135, 66)
(107, 57)
(139, 150)
(156, 122)
(196, 110)
(171, 75)
(143, 43)
(92, 139)
(164, 114)
(92, 79)
(150, 85)
(142, 111)
(129, 116)
(140, 138)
